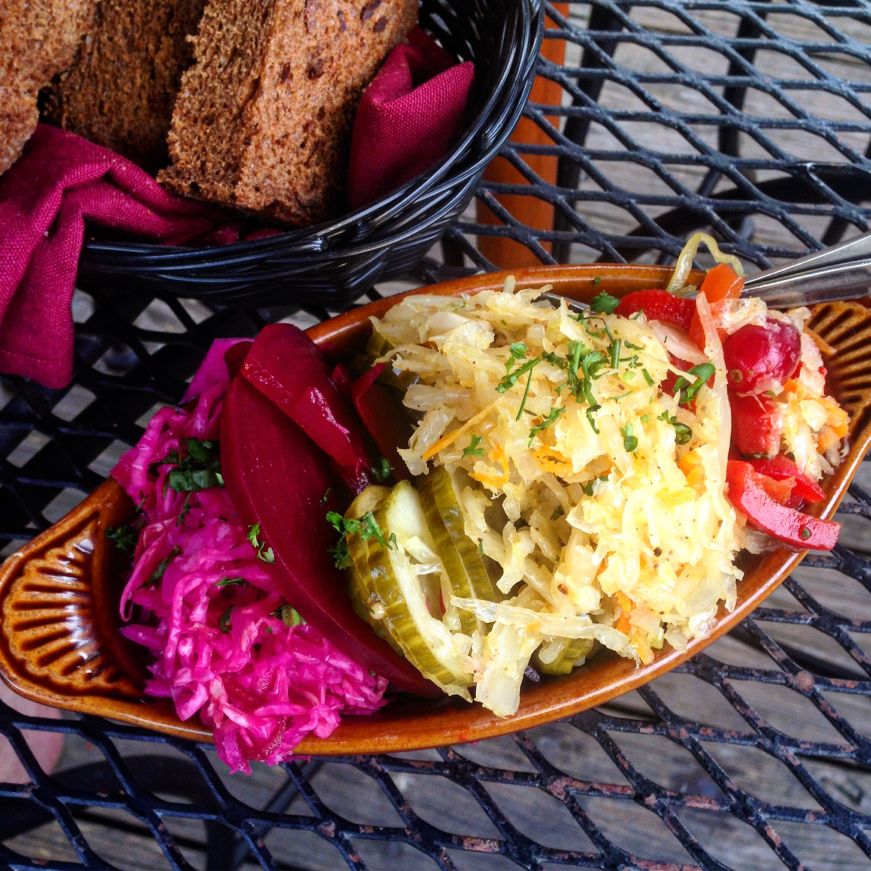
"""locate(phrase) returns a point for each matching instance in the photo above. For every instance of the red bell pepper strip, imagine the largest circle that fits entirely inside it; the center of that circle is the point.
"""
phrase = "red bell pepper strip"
(781, 468)
(756, 425)
(287, 368)
(658, 305)
(748, 495)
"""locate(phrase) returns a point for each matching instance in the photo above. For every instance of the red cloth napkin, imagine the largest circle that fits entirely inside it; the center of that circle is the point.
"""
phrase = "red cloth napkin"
(408, 118)
(59, 183)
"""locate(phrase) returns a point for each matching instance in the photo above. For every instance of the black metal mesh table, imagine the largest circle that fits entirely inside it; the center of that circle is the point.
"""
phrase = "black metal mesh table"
(751, 119)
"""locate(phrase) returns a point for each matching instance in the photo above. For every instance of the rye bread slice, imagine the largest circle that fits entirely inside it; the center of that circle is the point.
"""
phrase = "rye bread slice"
(263, 116)
(38, 38)
(121, 88)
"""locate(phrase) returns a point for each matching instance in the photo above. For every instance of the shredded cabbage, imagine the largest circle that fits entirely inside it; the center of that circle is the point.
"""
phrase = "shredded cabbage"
(600, 497)
(226, 645)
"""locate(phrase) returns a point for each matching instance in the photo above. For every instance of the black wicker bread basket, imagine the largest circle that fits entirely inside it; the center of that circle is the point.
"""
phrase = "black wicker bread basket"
(332, 263)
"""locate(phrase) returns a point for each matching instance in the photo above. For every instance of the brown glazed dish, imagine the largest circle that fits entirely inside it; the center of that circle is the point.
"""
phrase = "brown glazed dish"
(59, 640)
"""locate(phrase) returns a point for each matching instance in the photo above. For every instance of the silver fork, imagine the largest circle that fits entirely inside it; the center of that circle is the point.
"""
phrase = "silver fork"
(842, 271)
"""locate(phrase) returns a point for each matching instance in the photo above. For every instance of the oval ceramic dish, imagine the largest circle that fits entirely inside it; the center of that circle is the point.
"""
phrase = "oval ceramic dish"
(59, 640)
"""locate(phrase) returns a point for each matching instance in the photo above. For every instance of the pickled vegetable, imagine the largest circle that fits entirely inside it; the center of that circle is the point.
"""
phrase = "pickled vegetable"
(461, 557)
(566, 655)
(398, 585)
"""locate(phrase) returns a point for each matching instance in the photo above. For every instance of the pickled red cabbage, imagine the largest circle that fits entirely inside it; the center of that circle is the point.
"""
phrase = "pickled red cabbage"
(226, 645)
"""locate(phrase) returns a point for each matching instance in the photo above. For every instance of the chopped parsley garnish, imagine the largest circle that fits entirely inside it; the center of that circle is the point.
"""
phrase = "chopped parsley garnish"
(367, 527)
(587, 488)
(123, 537)
(474, 449)
(632, 345)
(224, 622)
(263, 552)
(590, 412)
(551, 418)
(198, 469)
(597, 281)
(648, 378)
(382, 470)
(614, 351)
(231, 582)
(630, 442)
(604, 303)
(688, 390)
(511, 379)
(516, 352)
(682, 433)
(288, 615)
(525, 395)
(157, 575)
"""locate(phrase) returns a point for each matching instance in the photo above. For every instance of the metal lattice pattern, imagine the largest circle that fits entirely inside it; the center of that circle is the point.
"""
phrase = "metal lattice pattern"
(748, 118)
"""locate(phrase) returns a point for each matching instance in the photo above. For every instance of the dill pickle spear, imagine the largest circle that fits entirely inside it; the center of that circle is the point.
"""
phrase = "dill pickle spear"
(575, 653)
(460, 555)
(396, 586)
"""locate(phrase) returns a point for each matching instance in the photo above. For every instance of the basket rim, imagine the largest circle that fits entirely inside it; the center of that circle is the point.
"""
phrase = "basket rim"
(524, 42)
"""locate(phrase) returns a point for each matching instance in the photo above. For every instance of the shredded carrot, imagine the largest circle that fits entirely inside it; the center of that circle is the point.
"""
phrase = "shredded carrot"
(625, 603)
(691, 465)
(495, 482)
(828, 438)
(447, 440)
(551, 460)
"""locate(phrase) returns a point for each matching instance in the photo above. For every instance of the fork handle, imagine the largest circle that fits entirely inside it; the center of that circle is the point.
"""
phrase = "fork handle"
(826, 283)
(858, 248)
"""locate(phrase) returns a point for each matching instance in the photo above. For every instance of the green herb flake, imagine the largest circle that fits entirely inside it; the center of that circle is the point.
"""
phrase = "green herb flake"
(231, 582)
(592, 420)
(474, 449)
(123, 537)
(525, 395)
(288, 615)
(554, 415)
(157, 575)
(224, 622)
(682, 433)
(557, 513)
(604, 303)
(511, 379)
(264, 553)
(587, 488)
(516, 352)
(614, 351)
(367, 527)
(648, 378)
(630, 442)
(597, 281)
(689, 390)
(382, 470)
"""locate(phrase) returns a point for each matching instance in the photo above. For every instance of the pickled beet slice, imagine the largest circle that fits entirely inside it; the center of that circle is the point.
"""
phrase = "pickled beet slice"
(384, 417)
(278, 478)
(286, 366)
(755, 355)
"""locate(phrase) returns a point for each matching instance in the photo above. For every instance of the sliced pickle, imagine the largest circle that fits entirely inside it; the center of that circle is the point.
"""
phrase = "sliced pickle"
(400, 603)
(378, 346)
(467, 571)
(575, 653)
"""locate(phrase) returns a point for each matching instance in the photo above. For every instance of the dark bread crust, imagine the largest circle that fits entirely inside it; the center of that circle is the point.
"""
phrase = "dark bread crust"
(121, 89)
(263, 116)
(38, 38)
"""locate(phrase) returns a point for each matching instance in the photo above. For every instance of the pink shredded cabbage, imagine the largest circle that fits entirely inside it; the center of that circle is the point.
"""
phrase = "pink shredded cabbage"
(224, 652)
